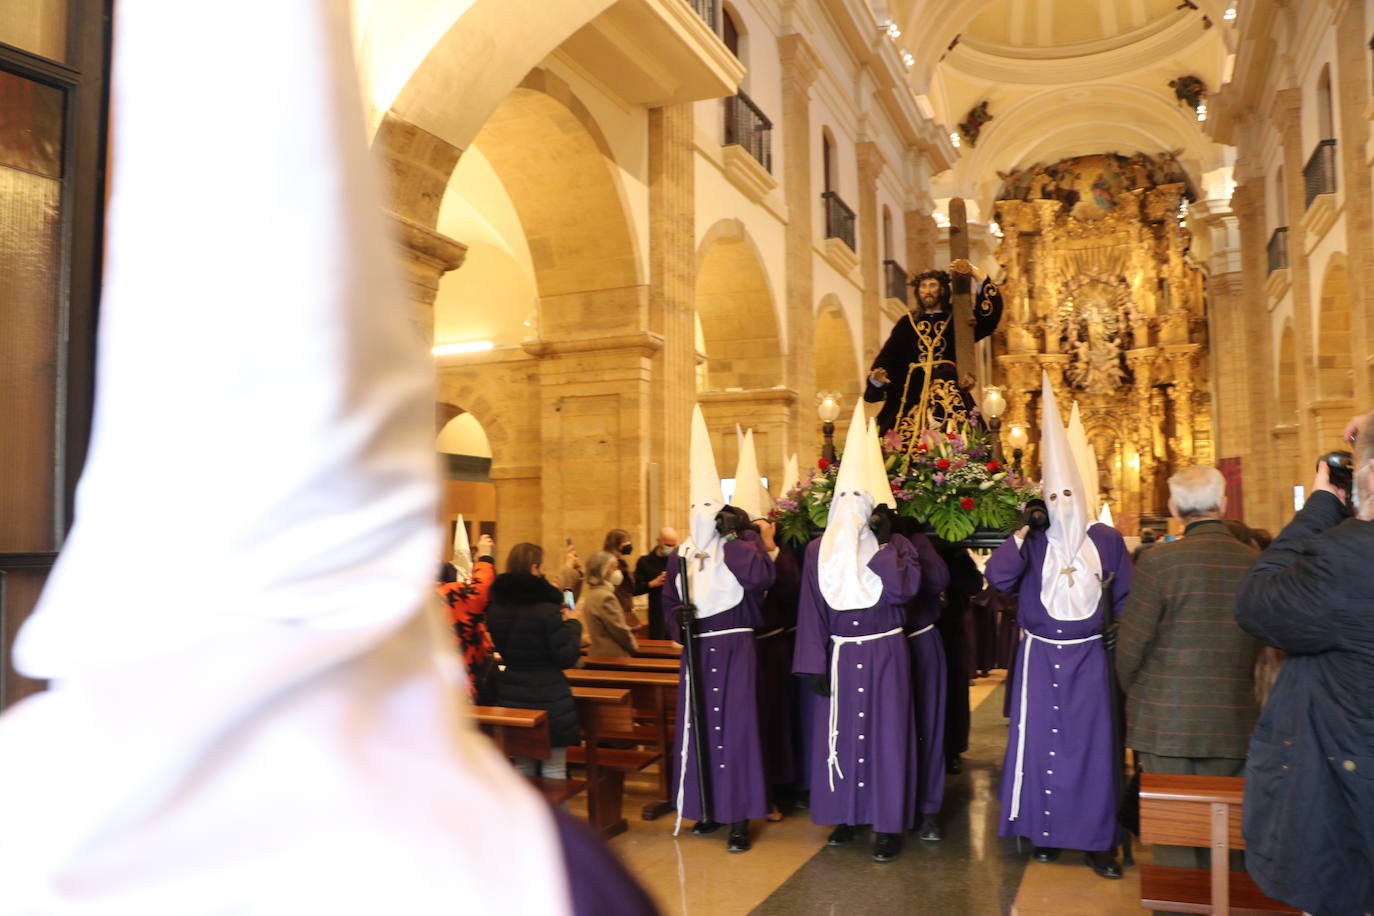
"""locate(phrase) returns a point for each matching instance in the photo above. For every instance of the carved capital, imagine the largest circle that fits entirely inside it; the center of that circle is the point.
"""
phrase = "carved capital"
(800, 65)
(871, 162)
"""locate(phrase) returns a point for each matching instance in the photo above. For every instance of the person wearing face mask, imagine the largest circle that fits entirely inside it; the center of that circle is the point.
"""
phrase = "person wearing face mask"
(1059, 781)
(619, 544)
(609, 634)
(1309, 778)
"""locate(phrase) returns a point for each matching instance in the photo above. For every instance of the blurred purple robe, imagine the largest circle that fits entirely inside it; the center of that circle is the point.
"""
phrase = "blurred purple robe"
(729, 671)
(928, 676)
(876, 745)
(1068, 792)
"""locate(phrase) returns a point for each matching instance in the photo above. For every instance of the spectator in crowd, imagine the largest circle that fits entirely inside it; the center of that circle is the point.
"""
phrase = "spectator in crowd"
(619, 545)
(1186, 667)
(603, 621)
(1309, 782)
(529, 625)
(1148, 538)
(466, 596)
(648, 578)
(572, 575)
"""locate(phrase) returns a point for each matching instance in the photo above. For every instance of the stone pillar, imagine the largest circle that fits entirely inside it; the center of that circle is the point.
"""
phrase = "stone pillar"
(1352, 58)
(672, 279)
(871, 164)
(799, 69)
(418, 166)
(1286, 117)
(1258, 367)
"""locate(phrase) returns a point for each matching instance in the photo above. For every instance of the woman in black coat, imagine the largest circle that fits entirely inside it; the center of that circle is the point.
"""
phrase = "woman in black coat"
(537, 641)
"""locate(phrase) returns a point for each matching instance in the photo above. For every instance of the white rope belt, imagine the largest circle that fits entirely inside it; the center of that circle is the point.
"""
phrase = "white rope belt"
(769, 634)
(832, 762)
(687, 723)
(925, 629)
(1021, 718)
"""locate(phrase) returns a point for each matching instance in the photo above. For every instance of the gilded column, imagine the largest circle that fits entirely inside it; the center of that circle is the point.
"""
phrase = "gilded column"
(672, 279)
(799, 68)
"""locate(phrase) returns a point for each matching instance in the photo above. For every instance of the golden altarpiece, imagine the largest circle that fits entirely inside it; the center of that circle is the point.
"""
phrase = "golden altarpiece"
(1101, 294)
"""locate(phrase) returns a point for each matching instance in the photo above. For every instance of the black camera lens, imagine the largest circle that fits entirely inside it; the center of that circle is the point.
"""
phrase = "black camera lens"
(1340, 468)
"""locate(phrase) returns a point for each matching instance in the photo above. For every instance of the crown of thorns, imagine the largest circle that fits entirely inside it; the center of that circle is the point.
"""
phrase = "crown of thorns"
(940, 275)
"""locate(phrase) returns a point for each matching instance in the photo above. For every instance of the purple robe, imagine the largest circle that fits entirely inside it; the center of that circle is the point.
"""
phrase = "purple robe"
(928, 676)
(1068, 792)
(876, 746)
(775, 641)
(729, 672)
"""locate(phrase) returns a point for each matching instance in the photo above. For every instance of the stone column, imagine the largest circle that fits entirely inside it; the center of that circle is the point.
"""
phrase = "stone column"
(672, 279)
(1352, 58)
(871, 164)
(799, 69)
(418, 167)
(1258, 367)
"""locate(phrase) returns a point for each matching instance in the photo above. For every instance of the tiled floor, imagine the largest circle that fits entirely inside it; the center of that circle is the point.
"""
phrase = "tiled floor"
(790, 870)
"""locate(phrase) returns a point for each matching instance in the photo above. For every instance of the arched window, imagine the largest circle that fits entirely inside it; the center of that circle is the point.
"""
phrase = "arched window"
(887, 234)
(1326, 125)
(828, 160)
(730, 32)
(1280, 201)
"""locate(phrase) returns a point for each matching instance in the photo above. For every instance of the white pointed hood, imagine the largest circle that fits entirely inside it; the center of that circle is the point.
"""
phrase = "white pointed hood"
(1083, 454)
(713, 586)
(236, 747)
(846, 582)
(791, 475)
(462, 552)
(1105, 516)
(1069, 584)
(749, 492)
(879, 484)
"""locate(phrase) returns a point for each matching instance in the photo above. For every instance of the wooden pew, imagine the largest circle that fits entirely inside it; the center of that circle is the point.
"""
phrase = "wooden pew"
(525, 733)
(1197, 811)
(668, 665)
(652, 692)
(600, 708)
(659, 648)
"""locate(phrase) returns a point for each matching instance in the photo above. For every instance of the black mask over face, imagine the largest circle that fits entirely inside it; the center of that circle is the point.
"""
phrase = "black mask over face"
(626, 548)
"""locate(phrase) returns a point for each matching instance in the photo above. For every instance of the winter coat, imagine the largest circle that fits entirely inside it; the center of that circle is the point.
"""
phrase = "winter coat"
(525, 619)
(610, 634)
(1309, 781)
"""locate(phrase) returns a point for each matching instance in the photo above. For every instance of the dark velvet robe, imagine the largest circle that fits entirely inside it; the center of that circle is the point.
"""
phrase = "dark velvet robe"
(921, 337)
(929, 676)
(964, 581)
(775, 641)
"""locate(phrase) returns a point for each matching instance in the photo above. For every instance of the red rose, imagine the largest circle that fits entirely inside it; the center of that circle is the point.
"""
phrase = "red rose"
(823, 463)
(921, 447)
(966, 503)
(994, 466)
(943, 464)
(951, 435)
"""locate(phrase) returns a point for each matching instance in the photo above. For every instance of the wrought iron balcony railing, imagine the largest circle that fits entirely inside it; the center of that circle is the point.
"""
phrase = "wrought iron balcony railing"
(1319, 175)
(749, 127)
(896, 281)
(709, 11)
(1278, 249)
(839, 219)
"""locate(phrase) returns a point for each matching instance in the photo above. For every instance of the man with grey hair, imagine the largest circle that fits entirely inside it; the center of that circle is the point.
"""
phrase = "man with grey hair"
(1309, 784)
(1186, 667)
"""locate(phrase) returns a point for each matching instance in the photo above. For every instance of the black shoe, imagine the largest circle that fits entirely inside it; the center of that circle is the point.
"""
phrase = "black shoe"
(701, 828)
(885, 846)
(1104, 863)
(842, 834)
(954, 766)
(1045, 853)
(930, 828)
(739, 837)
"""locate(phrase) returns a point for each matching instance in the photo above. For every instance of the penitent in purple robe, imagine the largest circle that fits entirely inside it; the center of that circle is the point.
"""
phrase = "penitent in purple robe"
(1068, 790)
(729, 672)
(876, 745)
(928, 676)
(775, 641)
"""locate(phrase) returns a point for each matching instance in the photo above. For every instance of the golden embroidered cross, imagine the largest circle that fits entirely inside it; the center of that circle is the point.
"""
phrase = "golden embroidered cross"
(1069, 571)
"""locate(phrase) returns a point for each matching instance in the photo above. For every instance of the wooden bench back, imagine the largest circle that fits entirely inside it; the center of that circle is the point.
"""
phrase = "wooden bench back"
(1182, 810)
(662, 665)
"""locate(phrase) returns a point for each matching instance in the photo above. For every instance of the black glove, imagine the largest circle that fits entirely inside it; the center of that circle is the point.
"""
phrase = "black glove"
(883, 521)
(1109, 635)
(731, 521)
(1036, 516)
(819, 684)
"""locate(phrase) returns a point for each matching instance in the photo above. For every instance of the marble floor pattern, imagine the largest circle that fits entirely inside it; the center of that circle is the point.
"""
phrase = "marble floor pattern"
(790, 870)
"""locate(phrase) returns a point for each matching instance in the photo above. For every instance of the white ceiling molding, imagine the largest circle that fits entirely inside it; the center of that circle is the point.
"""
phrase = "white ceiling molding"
(1179, 20)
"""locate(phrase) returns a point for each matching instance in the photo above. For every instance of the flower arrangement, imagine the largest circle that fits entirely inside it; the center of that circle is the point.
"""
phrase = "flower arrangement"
(946, 480)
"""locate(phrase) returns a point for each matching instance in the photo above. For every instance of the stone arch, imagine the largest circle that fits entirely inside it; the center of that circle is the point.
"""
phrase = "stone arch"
(836, 367)
(1335, 366)
(466, 486)
(738, 312)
